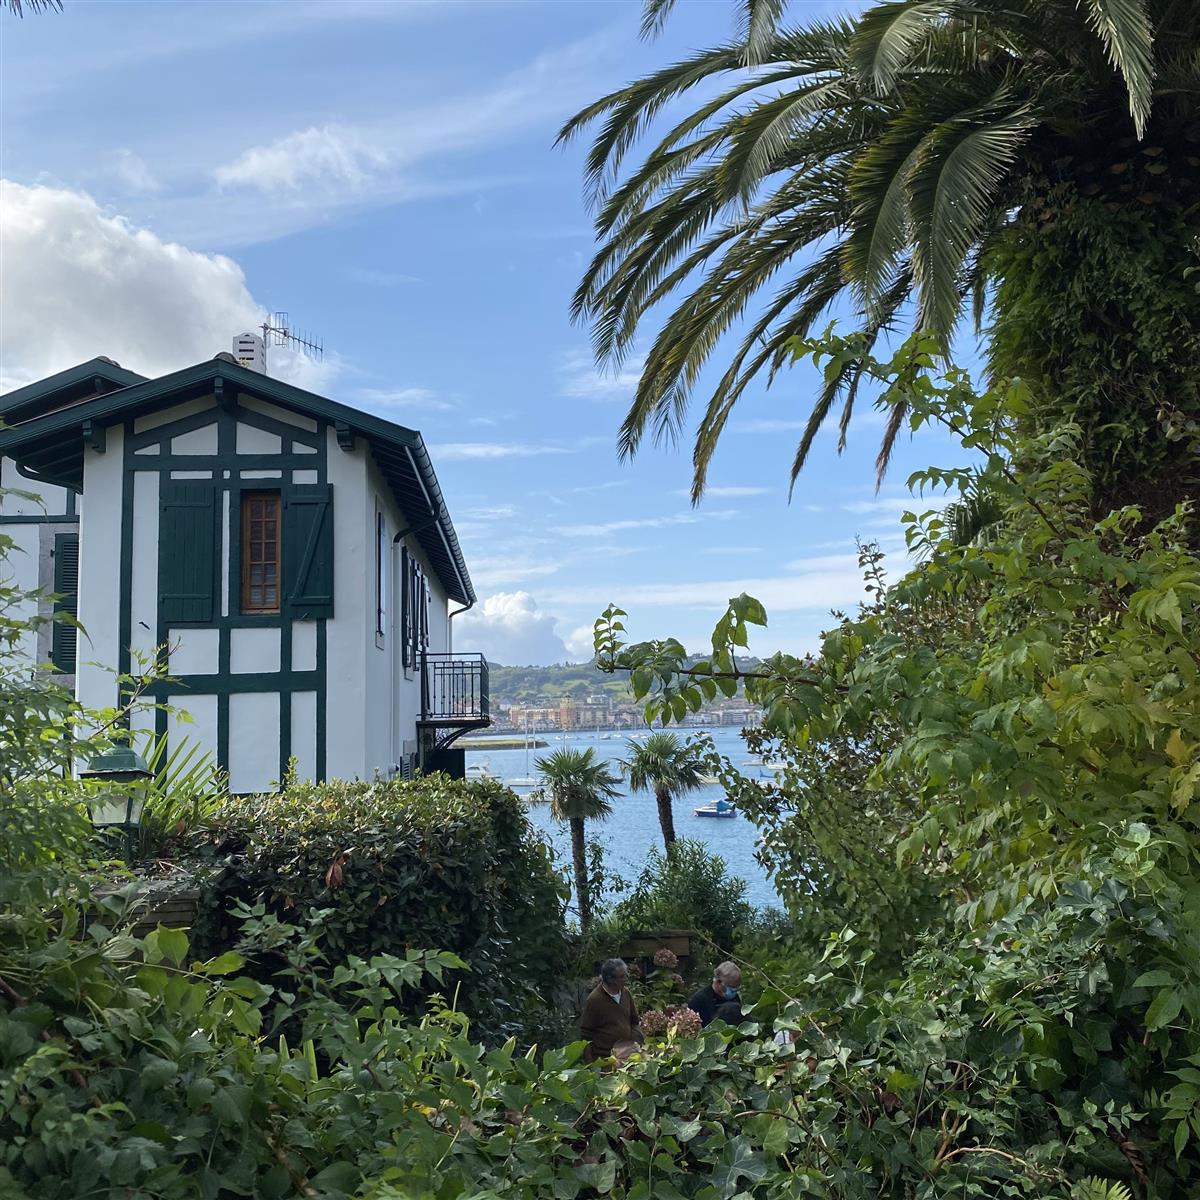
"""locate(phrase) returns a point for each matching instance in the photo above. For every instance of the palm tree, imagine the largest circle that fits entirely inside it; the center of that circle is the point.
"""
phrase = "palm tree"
(878, 165)
(580, 787)
(668, 767)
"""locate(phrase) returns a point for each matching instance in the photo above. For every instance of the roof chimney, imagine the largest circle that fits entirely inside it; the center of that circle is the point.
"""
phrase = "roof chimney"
(250, 351)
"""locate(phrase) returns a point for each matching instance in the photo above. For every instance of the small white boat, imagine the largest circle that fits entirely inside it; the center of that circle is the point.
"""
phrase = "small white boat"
(708, 778)
(717, 808)
(523, 781)
(481, 770)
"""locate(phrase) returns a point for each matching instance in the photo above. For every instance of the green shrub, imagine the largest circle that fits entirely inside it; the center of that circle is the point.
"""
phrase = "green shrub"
(392, 865)
(687, 889)
(1021, 1060)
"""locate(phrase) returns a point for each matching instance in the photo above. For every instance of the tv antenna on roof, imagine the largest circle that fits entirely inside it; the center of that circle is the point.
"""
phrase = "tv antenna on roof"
(250, 350)
(277, 331)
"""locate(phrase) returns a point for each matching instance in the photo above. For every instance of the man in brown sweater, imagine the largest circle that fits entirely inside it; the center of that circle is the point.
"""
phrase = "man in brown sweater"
(609, 1013)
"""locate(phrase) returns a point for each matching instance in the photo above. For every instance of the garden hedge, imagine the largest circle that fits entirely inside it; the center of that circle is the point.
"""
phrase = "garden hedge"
(395, 865)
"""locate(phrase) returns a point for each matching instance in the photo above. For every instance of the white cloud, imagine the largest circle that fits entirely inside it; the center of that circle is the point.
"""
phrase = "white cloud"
(485, 450)
(405, 151)
(581, 377)
(727, 493)
(78, 283)
(838, 584)
(133, 172)
(642, 523)
(863, 418)
(505, 570)
(409, 397)
(490, 512)
(330, 155)
(510, 628)
(580, 644)
(381, 279)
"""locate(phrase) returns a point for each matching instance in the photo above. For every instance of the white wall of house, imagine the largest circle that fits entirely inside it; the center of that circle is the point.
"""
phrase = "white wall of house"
(347, 633)
(100, 575)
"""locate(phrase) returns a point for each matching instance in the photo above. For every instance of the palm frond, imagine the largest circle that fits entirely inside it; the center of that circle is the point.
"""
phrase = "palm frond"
(654, 16)
(952, 191)
(1124, 28)
(897, 139)
(888, 36)
(758, 21)
(18, 7)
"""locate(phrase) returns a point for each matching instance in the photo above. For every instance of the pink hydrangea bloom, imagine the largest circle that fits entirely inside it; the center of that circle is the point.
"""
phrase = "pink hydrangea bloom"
(653, 1023)
(665, 958)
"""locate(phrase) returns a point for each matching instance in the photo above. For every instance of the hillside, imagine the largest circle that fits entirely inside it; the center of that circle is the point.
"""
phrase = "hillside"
(525, 685)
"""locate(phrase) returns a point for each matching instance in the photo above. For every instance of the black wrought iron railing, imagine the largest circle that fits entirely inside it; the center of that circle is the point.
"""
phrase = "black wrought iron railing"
(454, 690)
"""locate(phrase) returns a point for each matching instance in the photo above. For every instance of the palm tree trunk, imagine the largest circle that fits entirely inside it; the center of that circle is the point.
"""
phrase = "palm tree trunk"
(666, 818)
(581, 878)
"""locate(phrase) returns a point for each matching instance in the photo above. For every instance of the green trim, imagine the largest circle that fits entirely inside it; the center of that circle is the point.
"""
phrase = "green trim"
(52, 519)
(286, 634)
(322, 701)
(245, 416)
(69, 384)
(218, 684)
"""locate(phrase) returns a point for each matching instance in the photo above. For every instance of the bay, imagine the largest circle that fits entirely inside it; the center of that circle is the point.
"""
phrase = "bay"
(633, 828)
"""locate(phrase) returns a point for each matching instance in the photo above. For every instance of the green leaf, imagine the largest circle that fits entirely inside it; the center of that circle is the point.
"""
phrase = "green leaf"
(602, 1175)
(157, 1073)
(1150, 979)
(339, 1177)
(223, 964)
(164, 942)
(1164, 1008)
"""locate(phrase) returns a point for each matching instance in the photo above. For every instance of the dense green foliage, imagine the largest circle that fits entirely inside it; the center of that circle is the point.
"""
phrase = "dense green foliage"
(1118, 356)
(873, 164)
(395, 865)
(1005, 742)
(686, 888)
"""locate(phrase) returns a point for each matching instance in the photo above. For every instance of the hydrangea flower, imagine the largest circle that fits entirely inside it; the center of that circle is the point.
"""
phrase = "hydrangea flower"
(665, 958)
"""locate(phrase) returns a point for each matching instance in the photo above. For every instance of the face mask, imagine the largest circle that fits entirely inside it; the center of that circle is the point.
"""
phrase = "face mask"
(731, 993)
(616, 998)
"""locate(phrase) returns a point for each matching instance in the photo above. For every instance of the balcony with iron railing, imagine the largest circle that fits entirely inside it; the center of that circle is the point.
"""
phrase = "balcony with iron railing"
(454, 694)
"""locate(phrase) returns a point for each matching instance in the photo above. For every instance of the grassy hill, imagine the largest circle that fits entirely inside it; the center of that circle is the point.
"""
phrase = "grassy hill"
(525, 685)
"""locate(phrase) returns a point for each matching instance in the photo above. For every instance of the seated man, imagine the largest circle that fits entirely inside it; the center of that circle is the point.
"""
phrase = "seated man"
(609, 1013)
(723, 990)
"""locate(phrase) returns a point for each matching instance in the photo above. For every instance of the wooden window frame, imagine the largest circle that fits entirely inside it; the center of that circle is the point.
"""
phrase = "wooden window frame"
(247, 498)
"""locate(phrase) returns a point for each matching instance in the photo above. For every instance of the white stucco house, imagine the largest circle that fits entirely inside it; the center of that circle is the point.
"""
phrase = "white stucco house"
(292, 559)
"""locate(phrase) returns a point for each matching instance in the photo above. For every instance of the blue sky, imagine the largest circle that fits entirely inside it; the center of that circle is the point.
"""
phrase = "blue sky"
(386, 173)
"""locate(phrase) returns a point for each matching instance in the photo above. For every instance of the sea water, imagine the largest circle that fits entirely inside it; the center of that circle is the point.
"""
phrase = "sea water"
(633, 828)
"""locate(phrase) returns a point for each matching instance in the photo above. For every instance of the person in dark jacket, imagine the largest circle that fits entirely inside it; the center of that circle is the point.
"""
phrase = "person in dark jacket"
(723, 990)
(610, 1016)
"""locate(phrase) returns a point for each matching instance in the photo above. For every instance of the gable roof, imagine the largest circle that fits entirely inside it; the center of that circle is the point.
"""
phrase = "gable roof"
(48, 442)
(90, 378)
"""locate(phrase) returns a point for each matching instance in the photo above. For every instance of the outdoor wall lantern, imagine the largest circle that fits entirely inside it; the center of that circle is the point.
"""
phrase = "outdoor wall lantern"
(120, 775)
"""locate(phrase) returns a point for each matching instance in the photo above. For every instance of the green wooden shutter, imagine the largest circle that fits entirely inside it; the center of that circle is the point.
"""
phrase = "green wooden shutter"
(66, 585)
(308, 550)
(188, 574)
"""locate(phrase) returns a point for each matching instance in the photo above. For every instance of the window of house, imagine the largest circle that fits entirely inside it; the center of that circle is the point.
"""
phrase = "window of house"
(414, 611)
(261, 551)
(381, 570)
